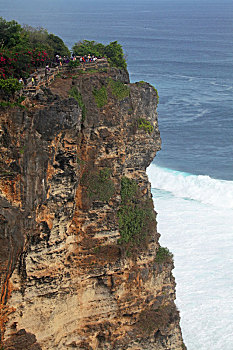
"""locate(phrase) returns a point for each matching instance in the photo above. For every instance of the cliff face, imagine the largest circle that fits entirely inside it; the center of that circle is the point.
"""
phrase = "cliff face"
(79, 263)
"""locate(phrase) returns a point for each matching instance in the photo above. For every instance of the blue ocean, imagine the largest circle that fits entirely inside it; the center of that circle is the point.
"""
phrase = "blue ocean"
(185, 49)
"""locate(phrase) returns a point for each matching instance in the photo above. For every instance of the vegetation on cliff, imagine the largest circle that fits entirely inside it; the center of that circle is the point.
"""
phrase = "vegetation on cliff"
(136, 216)
(112, 51)
(118, 89)
(98, 184)
(101, 97)
(9, 86)
(78, 97)
(163, 254)
(24, 48)
(145, 125)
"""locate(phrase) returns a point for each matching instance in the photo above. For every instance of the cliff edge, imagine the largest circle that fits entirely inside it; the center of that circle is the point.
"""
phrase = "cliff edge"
(80, 262)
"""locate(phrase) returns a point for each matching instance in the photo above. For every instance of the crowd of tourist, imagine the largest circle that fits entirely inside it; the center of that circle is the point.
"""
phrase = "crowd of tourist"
(58, 61)
(83, 59)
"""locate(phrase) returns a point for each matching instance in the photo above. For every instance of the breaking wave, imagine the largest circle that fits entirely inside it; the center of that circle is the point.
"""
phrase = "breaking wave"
(201, 188)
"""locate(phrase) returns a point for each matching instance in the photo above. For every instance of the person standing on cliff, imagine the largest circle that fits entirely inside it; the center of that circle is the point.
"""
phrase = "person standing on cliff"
(46, 74)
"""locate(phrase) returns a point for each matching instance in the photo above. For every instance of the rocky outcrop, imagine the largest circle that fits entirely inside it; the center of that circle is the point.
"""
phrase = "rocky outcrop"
(81, 266)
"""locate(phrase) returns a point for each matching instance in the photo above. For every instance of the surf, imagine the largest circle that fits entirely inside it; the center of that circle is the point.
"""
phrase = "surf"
(202, 188)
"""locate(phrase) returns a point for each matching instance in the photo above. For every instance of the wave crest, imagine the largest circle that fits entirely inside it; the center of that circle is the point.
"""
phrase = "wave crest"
(201, 188)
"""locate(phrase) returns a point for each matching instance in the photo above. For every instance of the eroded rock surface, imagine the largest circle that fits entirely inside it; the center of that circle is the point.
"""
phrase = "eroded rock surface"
(73, 274)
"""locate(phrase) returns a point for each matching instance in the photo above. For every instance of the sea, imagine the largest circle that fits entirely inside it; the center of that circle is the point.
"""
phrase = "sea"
(185, 49)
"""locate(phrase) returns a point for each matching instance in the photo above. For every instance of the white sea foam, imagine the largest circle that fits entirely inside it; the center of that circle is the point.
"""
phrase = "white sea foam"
(200, 237)
(199, 233)
(201, 188)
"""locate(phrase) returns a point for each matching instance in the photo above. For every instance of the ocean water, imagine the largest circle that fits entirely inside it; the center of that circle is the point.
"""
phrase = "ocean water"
(185, 49)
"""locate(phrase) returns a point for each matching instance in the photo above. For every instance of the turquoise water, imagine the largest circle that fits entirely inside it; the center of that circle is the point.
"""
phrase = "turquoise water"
(185, 49)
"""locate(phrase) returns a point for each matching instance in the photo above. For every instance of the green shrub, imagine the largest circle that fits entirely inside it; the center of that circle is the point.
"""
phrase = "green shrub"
(7, 104)
(74, 64)
(21, 99)
(10, 86)
(113, 51)
(135, 215)
(145, 125)
(119, 89)
(98, 184)
(163, 254)
(101, 97)
(115, 54)
(78, 97)
(129, 188)
(133, 220)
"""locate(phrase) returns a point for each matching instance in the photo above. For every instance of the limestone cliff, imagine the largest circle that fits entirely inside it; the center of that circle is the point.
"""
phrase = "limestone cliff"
(80, 262)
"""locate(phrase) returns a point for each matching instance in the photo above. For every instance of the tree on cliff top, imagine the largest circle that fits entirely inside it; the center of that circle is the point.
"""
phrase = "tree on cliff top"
(112, 51)
(40, 38)
(22, 49)
(10, 33)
